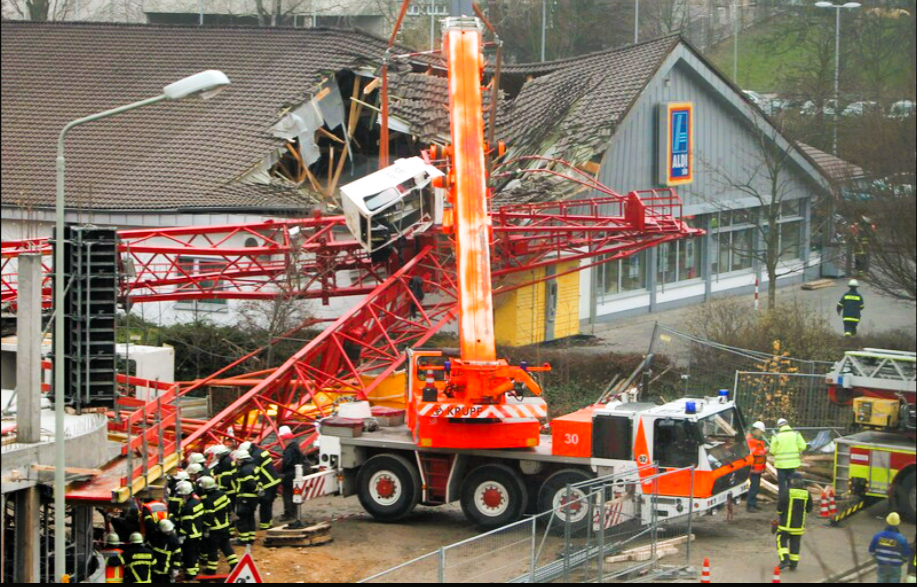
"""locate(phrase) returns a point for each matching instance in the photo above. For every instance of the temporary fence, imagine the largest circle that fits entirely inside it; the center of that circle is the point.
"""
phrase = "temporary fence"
(766, 386)
(612, 528)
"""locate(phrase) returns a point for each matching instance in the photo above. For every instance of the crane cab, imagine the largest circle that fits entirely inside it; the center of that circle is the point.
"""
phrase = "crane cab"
(392, 202)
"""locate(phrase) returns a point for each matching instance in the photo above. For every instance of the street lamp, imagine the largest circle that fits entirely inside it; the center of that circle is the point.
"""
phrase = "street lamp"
(837, 56)
(205, 84)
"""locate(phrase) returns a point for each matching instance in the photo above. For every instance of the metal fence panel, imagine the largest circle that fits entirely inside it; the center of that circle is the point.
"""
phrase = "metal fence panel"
(804, 397)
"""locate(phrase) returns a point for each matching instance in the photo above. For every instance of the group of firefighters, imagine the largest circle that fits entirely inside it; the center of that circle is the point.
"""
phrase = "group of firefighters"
(184, 535)
(889, 547)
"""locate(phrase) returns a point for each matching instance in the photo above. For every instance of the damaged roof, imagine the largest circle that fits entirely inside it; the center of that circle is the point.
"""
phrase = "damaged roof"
(572, 107)
(167, 156)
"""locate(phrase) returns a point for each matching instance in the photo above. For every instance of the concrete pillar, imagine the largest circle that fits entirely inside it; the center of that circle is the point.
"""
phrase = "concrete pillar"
(27, 547)
(28, 349)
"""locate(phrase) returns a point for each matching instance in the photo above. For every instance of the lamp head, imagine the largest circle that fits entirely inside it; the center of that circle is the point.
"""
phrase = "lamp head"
(207, 84)
(825, 4)
(852, 5)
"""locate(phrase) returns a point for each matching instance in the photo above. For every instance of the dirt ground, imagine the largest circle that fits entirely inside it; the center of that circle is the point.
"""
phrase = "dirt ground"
(740, 551)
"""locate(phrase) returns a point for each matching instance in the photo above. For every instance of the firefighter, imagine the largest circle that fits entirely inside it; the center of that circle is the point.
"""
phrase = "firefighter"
(173, 499)
(850, 306)
(151, 513)
(114, 559)
(758, 448)
(138, 561)
(792, 506)
(195, 472)
(292, 456)
(166, 552)
(190, 523)
(223, 471)
(786, 447)
(248, 485)
(216, 526)
(891, 551)
(269, 482)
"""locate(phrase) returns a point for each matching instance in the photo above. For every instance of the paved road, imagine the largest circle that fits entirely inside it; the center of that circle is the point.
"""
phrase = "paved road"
(881, 313)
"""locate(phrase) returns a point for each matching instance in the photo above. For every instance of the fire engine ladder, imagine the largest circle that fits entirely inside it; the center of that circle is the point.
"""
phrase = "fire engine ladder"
(893, 371)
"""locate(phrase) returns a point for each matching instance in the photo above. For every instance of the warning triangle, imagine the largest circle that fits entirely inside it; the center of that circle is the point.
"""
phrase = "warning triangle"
(245, 571)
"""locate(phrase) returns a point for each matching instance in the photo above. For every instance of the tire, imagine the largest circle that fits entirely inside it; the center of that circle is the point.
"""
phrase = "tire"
(493, 496)
(553, 495)
(907, 498)
(388, 487)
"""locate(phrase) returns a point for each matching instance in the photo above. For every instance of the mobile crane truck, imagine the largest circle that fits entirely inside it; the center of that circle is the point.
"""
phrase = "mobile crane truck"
(878, 462)
(470, 435)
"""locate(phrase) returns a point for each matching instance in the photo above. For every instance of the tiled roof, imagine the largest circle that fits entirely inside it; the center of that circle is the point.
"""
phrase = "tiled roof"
(573, 106)
(835, 169)
(165, 156)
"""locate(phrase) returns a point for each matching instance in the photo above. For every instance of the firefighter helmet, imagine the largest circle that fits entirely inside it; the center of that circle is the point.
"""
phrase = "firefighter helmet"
(166, 526)
(853, 283)
(241, 455)
(185, 488)
(136, 538)
(246, 446)
(206, 483)
(195, 469)
(182, 476)
(196, 457)
(113, 540)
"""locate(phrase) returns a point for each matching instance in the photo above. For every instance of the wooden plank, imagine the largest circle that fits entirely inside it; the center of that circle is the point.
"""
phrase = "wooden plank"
(817, 284)
(71, 470)
(122, 494)
(331, 136)
(286, 531)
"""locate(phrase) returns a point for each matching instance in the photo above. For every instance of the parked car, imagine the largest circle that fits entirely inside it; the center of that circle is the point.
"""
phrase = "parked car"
(756, 99)
(859, 108)
(901, 109)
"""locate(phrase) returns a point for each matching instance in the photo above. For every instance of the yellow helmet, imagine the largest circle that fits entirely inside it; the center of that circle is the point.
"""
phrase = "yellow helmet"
(893, 519)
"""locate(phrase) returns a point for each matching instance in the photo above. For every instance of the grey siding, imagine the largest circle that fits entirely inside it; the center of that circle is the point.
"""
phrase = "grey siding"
(726, 150)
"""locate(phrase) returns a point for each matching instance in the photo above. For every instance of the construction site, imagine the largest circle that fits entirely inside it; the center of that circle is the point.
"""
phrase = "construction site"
(435, 232)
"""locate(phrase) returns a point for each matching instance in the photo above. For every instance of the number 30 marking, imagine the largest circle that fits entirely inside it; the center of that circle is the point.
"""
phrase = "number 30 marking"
(571, 438)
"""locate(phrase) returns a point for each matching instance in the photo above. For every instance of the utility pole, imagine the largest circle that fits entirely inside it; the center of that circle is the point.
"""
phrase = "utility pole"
(837, 61)
(544, 24)
(636, 20)
(735, 44)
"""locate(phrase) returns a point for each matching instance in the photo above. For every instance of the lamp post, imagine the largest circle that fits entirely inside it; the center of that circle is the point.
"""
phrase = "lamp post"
(636, 20)
(837, 62)
(206, 84)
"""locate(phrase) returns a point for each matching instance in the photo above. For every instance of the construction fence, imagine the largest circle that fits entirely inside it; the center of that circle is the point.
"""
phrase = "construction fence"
(609, 529)
(766, 386)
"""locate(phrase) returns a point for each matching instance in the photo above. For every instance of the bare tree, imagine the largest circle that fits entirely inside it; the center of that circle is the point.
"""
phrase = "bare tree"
(662, 17)
(763, 175)
(891, 240)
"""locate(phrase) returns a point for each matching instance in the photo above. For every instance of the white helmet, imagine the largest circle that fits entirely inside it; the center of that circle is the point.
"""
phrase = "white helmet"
(182, 476)
(194, 469)
(136, 538)
(241, 455)
(206, 483)
(220, 450)
(782, 422)
(196, 457)
(166, 526)
(246, 446)
(853, 283)
(759, 425)
(184, 488)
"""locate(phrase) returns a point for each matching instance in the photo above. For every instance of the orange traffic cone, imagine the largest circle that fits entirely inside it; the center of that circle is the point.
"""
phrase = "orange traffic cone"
(823, 501)
(832, 506)
(776, 578)
(705, 574)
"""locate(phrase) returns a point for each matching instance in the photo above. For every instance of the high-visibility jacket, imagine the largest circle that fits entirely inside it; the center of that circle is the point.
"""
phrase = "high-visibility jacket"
(138, 563)
(758, 450)
(167, 552)
(890, 547)
(190, 518)
(216, 510)
(224, 473)
(269, 476)
(792, 506)
(248, 480)
(851, 305)
(114, 565)
(152, 512)
(786, 447)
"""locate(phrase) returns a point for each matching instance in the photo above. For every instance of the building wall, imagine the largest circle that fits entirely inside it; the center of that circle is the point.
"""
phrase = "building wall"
(520, 315)
(727, 153)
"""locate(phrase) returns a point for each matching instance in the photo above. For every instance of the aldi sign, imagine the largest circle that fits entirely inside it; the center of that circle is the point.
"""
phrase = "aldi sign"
(676, 143)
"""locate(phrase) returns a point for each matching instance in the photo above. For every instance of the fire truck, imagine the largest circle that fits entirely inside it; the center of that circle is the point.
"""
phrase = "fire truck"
(877, 462)
(473, 422)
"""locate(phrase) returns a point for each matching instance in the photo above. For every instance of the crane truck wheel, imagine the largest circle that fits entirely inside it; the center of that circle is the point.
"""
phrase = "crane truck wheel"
(553, 496)
(388, 487)
(907, 498)
(493, 496)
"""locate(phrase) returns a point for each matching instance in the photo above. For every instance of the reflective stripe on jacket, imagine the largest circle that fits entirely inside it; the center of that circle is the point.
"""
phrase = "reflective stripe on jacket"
(792, 509)
(248, 480)
(890, 547)
(786, 447)
(758, 452)
(269, 476)
(191, 518)
(216, 508)
(139, 564)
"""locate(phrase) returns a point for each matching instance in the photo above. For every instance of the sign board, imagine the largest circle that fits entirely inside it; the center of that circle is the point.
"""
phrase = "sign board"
(245, 571)
(675, 152)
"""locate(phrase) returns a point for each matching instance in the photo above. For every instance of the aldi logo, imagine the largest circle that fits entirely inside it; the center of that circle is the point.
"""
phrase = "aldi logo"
(676, 143)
